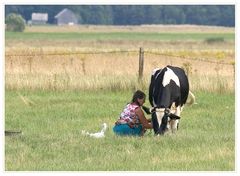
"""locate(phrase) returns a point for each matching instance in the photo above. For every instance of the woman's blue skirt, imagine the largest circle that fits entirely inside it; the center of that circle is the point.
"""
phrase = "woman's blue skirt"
(124, 129)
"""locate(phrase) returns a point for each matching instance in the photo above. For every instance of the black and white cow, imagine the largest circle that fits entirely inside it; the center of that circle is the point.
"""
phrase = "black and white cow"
(168, 92)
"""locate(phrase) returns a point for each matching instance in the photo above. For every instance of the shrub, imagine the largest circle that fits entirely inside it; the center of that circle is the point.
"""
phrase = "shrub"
(15, 23)
(214, 40)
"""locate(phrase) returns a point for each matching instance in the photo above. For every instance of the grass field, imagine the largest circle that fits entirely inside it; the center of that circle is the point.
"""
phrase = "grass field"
(124, 37)
(118, 36)
(72, 91)
(52, 137)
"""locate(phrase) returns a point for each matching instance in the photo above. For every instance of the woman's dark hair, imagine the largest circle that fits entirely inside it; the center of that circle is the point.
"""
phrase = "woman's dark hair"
(138, 95)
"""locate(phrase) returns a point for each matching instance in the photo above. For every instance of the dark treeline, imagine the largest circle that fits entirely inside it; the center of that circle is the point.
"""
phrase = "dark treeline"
(218, 15)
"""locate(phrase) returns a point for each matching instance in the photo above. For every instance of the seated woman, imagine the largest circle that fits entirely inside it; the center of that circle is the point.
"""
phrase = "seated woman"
(132, 120)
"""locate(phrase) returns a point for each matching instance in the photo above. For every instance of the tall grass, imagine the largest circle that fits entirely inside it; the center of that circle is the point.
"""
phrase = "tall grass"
(113, 83)
(56, 69)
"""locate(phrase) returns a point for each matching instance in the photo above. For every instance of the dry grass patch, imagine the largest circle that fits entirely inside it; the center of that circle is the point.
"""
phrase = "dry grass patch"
(141, 28)
(57, 68)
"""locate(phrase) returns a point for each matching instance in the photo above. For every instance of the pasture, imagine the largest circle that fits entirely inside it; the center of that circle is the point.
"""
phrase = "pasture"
(52, 138)
(79, 77)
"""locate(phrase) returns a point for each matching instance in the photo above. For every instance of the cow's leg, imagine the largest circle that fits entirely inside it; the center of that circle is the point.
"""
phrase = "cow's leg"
(163, 126)
(160, 121)
(155, 123)
(174, 123)
(168, 124)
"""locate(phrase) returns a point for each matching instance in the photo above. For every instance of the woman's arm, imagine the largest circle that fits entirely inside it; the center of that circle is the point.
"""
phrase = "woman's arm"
(143, 119)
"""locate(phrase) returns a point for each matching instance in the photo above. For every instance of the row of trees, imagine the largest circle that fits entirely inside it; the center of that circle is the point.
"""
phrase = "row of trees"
(220, 15)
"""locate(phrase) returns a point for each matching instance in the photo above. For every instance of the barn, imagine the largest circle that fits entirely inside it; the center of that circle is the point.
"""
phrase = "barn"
(66, 17)
(39, 18)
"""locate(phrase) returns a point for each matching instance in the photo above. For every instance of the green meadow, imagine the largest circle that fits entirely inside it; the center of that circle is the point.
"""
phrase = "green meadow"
(151, 36)
(51, 138)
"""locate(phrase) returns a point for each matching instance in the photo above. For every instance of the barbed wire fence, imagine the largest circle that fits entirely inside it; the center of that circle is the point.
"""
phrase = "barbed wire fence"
(142, 53)
(118, 69)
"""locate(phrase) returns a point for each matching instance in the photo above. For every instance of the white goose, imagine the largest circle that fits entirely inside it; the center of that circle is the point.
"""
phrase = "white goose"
(97, 135)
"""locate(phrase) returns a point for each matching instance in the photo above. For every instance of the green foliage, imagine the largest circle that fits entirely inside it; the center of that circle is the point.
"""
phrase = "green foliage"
(173, 15)
(52, 139)
(15, 23)
(214, 40)
(101, 15)
(222, 15)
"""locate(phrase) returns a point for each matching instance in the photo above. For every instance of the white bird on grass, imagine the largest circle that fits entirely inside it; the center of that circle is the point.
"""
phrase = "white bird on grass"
(96, 135)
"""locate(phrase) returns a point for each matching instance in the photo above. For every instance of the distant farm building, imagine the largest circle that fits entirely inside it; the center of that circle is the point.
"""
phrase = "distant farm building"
(38, 18)
(66, 17)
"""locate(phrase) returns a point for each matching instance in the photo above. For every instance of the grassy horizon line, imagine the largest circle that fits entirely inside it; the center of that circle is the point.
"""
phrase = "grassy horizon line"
(150, 36)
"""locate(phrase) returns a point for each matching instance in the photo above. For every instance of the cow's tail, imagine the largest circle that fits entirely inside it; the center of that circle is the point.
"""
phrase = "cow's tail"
(191, 99)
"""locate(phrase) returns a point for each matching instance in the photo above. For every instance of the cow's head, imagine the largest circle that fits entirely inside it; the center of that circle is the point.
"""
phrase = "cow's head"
(159, 120)
(162, 119)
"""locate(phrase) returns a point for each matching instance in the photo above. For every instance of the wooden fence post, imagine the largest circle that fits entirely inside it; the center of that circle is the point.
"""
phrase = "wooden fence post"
(141, 64)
